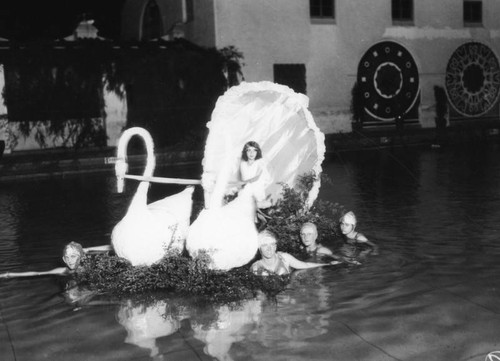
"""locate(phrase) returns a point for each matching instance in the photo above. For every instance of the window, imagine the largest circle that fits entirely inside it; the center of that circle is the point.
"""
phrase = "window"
(402, 11)
(473, 12)
(322, 10)
(291, 75)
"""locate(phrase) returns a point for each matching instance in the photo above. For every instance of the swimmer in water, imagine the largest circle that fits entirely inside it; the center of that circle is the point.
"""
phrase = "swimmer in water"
(309, 236)
(73, 253)
(349, 251)
(278, 263)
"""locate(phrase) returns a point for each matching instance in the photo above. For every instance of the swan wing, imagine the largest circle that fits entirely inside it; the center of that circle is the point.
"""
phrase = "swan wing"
(179, 204)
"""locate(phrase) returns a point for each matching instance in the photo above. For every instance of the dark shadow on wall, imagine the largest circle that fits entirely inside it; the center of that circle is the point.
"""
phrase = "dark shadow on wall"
(170, 87)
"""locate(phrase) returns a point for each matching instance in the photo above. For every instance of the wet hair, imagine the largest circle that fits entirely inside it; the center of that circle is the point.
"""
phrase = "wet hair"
(266, 235)
(309, 225)
(74, 245)
(349, 218)
(253, 145)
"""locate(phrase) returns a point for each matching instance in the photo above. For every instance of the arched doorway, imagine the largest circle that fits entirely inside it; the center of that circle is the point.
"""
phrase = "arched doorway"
(151, 22)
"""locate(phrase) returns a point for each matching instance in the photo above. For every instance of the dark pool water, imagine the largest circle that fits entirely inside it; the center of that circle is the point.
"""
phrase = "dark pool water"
(433, 292)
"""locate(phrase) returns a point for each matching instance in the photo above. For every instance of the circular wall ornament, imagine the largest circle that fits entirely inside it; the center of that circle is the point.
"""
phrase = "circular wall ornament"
(473, 79)
(388, 78)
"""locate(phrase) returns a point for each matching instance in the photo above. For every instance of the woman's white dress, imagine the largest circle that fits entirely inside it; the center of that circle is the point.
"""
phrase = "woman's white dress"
(248, 171)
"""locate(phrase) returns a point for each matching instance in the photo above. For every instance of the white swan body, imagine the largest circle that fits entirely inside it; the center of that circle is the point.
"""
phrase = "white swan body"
(227, 233)
(147, 232)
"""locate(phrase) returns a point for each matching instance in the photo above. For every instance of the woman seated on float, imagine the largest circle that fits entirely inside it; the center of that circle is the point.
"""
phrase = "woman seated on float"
(349, 251)
(73, 253)
(278, 263)
(254, 174)
(309, 236)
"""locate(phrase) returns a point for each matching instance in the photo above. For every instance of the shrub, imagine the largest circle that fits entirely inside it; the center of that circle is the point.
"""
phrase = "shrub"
(176, 273)
(290, 213)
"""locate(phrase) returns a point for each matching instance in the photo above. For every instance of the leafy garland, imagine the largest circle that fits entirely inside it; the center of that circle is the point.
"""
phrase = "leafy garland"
(176, 273)
(184, 275)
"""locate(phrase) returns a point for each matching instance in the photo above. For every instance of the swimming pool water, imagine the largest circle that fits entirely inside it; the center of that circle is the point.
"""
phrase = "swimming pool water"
(431, 294)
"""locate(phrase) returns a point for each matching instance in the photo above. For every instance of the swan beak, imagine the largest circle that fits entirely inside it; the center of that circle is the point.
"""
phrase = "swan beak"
(120, 169)
(120, 184)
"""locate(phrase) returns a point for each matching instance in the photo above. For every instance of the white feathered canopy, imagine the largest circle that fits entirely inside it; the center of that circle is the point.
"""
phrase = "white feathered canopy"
(277, 119)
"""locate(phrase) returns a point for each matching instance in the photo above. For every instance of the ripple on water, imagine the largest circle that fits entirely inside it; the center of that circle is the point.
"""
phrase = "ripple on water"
(430, 294)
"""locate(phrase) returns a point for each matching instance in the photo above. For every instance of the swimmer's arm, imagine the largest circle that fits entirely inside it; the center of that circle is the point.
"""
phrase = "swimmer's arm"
(295, 263)
(254, 267)
(336, 257)
(362, 239)
(340, 259)
(56, 271)
(325, 251)
(104, 248)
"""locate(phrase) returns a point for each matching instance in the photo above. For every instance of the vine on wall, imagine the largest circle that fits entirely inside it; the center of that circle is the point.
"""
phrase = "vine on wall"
(170, 87)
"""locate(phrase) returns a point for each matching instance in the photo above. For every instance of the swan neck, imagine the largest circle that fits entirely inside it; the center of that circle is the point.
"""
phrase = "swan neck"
(148, 142)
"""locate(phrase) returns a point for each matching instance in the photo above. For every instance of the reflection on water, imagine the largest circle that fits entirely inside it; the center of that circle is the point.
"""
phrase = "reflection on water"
(231, 325)
(431, 294)
(144, 324)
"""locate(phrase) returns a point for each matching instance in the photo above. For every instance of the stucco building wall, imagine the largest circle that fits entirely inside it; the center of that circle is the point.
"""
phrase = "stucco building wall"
(282, 32)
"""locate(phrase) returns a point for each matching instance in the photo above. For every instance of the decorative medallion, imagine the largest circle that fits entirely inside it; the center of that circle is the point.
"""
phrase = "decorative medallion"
(473, 79)
(388, 79)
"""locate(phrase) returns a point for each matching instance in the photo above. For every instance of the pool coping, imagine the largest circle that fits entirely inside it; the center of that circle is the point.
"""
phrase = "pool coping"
(57, 163)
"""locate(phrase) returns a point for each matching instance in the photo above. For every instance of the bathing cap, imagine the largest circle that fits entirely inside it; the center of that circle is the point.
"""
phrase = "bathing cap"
(349, 218)
(310, 225)
(266, 237)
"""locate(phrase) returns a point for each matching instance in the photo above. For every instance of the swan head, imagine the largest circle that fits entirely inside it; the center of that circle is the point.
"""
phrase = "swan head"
(121, 168)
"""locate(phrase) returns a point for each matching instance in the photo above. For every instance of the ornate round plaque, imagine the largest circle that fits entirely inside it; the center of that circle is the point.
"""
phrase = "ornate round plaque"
(473, 79)
(388, 79)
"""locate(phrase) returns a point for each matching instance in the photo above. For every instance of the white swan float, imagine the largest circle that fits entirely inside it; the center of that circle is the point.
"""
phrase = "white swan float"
(147, 232)
(227, 233)
(276, 118)
(270, 114)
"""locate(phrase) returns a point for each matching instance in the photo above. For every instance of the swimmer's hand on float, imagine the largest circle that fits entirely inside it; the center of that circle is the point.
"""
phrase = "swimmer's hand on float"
(332, 263)
(352, 262)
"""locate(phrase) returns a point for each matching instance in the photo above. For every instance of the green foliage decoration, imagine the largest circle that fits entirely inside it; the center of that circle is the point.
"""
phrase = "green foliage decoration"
(177, 273)
(288, 215)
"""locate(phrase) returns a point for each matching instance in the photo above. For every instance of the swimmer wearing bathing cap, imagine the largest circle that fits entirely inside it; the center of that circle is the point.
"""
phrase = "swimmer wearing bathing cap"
(352, 238)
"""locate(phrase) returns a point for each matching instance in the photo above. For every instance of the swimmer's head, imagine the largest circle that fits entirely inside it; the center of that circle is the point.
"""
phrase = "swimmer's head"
(73, 254)
(266, 237)
(308, 234)
(348, 222)
(349, 218)
(267, 244)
